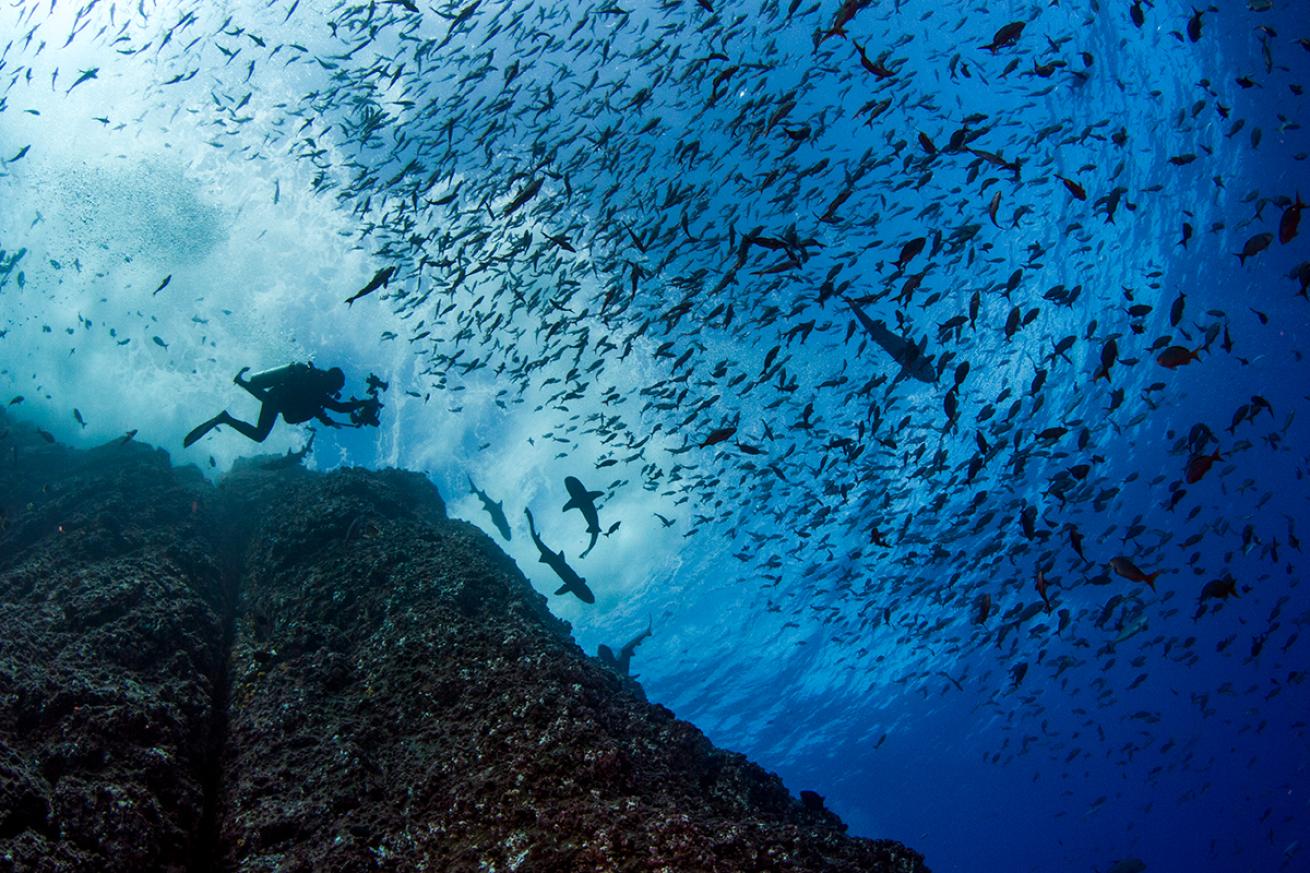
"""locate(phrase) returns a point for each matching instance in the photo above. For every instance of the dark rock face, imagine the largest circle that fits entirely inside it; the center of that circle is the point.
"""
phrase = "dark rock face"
(388, 693)
(111, 648)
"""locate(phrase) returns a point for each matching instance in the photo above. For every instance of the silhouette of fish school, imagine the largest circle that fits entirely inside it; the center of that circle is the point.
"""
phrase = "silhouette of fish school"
(786, 269)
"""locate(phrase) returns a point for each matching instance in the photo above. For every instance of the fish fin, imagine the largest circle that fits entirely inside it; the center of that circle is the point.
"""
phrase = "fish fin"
(572, 504)
(563, 589)
(594, 494)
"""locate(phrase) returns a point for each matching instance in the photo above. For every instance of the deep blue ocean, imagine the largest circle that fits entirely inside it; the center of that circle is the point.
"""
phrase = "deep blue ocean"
(940, 365)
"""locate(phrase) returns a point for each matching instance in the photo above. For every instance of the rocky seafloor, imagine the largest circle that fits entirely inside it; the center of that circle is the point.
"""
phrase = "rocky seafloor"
(294, 671)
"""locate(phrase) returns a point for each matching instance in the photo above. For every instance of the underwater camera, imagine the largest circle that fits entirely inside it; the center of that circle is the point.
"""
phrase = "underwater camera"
(367, 412)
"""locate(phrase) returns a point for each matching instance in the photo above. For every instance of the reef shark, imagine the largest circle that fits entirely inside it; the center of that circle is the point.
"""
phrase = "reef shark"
(584, 501)
(494, 508)
(623, 660)
(555, 560)
(914, 362)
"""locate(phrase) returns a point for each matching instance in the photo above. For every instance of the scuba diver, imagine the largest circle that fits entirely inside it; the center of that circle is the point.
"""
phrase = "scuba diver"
(297, 392)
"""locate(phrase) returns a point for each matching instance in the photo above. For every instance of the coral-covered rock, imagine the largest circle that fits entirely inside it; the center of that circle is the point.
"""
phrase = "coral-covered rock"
(111, 657)
(402, 699)
(396, 695)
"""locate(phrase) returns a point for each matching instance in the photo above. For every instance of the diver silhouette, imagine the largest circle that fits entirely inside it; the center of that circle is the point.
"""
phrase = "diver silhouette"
(297, 392)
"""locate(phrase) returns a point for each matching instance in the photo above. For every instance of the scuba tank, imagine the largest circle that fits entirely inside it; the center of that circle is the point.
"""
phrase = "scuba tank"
(277, 375)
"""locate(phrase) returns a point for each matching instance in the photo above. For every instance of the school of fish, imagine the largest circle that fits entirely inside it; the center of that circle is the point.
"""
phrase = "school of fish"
(900, 314)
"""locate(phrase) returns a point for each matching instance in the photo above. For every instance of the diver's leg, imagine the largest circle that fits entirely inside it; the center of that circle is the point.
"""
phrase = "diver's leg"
(257, 432)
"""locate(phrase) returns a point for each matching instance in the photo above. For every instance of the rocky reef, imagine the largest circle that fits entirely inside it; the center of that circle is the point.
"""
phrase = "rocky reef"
(293, 671)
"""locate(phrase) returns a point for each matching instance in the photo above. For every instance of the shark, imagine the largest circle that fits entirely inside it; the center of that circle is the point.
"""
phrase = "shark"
(623, 660)
(912, 357)
(494, 508)
(573, 583)
(585, 502)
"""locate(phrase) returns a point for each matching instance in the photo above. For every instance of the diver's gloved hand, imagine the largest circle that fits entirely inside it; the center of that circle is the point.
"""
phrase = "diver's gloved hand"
(237, 379)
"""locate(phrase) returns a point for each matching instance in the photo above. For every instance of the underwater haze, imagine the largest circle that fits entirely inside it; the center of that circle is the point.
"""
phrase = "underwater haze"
(940, 366)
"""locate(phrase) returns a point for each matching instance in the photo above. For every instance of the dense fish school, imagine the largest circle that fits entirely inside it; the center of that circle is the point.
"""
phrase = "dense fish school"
(935, 371)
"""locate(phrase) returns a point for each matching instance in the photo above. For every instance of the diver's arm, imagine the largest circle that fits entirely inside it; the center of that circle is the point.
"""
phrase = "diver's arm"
(347, 406)
(323, 417)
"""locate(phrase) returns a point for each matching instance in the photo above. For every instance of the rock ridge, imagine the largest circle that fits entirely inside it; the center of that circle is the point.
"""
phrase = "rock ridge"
(299, 671)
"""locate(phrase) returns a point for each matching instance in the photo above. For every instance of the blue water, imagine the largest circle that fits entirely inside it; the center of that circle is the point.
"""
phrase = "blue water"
(727, 177)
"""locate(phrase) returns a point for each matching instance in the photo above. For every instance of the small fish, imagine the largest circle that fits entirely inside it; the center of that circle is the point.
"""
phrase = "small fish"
(1254, 246)
(380, 280)
(159, 342)
(127, 437)
(1109, 354)
(523, 197)
(1291, 221)
(1073, 187)
(718, 435)
(1130, 571)
(1042, 585)
(561, 241)
(1176, 309)
(1176, 356)
(86, 76)
(163, 284)
(1219, 589)
(1006, 36)
(1076, 541)
(1198, 466)
(77, 415)
(909, 250)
